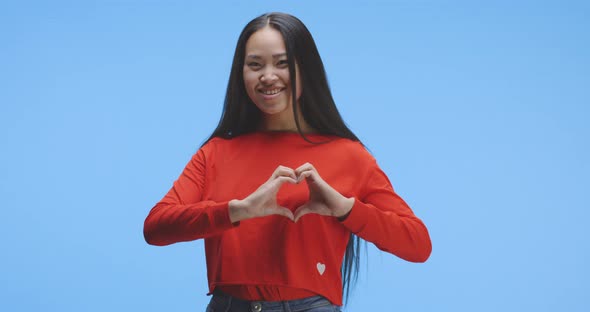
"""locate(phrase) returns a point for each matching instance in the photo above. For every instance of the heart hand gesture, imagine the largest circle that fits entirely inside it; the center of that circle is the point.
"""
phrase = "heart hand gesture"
(323, 199)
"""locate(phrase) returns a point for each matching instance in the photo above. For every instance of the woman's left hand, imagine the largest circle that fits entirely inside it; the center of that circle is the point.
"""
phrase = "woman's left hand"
(323, 199)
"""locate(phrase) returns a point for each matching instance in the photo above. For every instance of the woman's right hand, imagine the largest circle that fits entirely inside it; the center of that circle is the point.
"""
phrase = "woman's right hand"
(263, 201)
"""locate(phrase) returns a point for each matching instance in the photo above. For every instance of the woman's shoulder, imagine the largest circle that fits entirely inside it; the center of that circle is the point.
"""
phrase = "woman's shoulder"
(350, 151)
(218, 144)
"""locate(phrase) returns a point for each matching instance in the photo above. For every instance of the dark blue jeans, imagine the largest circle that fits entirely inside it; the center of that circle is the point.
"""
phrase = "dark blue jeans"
(225, 303)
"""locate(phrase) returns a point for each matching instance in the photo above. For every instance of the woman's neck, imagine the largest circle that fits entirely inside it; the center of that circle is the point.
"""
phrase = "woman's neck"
(285, 123)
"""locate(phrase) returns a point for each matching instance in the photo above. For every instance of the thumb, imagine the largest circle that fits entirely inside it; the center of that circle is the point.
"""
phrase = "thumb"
(282, 211)
(301, 211)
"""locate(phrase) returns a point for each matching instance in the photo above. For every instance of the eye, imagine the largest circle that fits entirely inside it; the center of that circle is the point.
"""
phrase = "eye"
(283, 63)
(254, 65)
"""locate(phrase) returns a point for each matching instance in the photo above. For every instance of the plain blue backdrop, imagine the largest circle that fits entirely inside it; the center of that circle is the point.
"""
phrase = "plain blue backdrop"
(477, 110)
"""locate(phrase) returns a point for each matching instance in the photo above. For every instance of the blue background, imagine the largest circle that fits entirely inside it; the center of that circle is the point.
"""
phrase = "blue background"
(477, 110)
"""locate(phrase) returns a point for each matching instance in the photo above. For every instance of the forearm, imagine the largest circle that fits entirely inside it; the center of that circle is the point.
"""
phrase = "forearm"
(172, 223)
(403, 235)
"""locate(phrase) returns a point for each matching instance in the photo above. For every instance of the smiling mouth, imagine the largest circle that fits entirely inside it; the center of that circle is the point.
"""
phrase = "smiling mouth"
(271, 91)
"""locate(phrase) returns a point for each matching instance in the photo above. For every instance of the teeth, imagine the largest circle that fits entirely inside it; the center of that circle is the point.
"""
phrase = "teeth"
(271, 92)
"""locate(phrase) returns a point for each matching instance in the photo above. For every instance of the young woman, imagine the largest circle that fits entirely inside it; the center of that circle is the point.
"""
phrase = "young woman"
(283, 190)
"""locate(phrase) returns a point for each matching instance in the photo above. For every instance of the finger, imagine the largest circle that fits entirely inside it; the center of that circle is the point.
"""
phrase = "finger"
(282, 211)
(310, 176)
(307, 171)
(283, 171)
(282, 180)
(305, 167)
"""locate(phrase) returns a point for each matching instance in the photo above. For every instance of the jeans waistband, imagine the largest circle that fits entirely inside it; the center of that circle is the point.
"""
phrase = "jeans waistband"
(221, 302)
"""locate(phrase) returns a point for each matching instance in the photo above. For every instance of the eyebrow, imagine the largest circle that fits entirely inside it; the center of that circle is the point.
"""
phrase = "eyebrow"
(257, 57)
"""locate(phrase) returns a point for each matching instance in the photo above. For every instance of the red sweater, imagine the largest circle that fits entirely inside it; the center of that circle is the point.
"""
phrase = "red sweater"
(273, 250)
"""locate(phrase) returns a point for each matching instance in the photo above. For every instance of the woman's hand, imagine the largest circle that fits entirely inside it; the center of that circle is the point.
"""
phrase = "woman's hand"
(263, 201)
(323, 199)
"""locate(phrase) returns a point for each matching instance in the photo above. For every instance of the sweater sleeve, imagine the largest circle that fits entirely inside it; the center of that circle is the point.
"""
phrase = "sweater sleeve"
(182, 215)
(382, 217)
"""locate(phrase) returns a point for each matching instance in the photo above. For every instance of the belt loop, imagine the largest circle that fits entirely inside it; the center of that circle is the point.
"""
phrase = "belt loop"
(228, 303)
(286, 306)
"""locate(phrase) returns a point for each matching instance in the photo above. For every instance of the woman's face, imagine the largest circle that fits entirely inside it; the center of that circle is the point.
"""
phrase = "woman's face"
(266, 75)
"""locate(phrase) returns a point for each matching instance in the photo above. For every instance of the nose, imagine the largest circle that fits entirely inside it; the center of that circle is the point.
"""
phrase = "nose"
(268, 77)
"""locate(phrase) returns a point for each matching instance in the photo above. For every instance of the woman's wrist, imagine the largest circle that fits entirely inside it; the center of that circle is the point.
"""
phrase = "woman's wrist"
(236, 210)
(347, 204)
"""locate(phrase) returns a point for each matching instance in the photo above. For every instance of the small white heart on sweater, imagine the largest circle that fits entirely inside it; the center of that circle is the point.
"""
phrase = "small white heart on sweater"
(321, 268)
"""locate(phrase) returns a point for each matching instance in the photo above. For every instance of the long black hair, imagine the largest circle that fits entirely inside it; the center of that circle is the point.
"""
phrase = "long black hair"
(241, 116)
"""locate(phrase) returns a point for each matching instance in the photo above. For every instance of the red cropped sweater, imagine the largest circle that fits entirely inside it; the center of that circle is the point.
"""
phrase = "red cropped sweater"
(274, 251)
